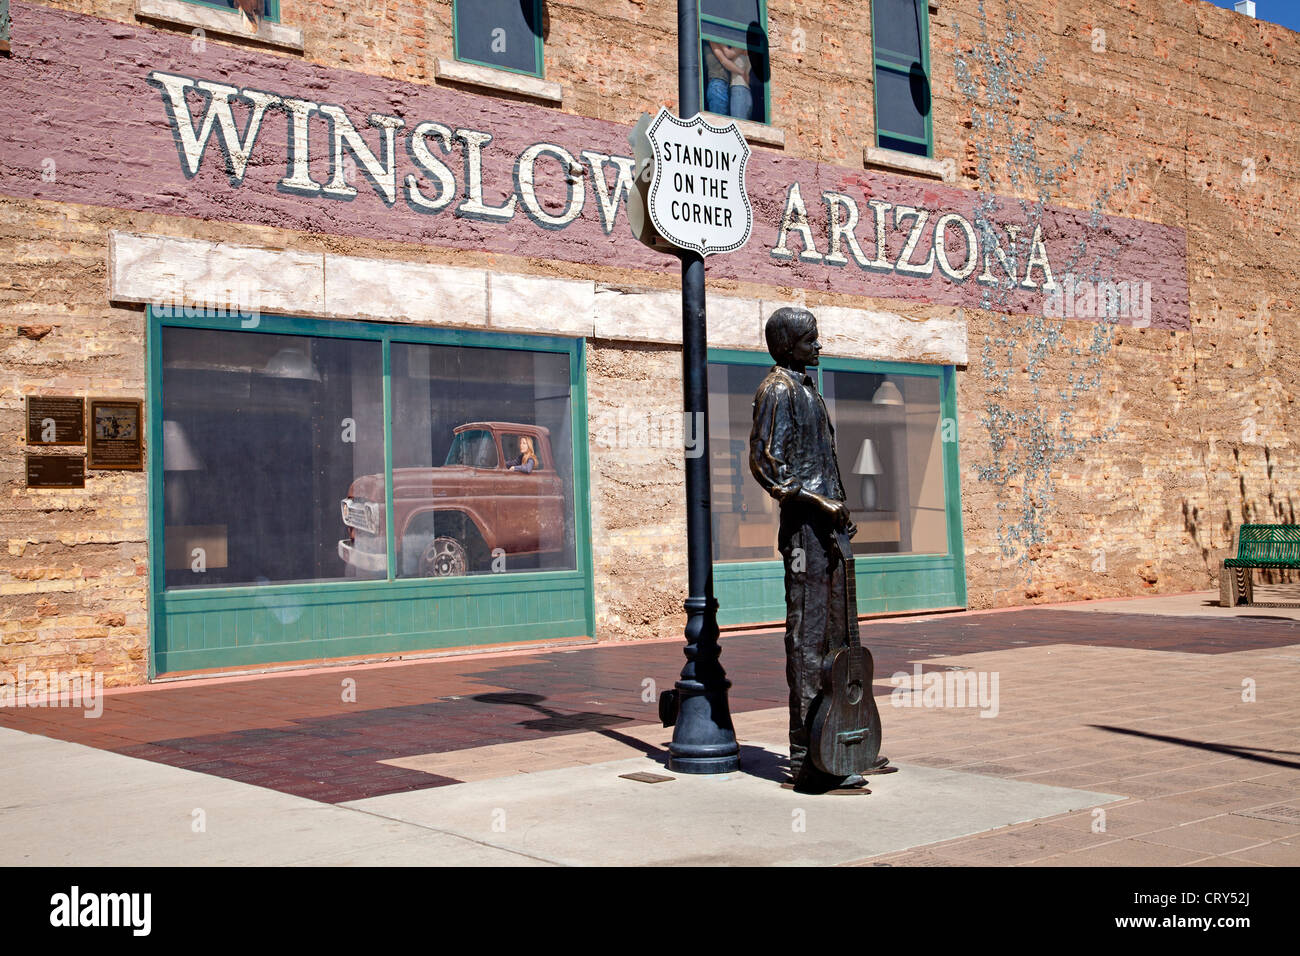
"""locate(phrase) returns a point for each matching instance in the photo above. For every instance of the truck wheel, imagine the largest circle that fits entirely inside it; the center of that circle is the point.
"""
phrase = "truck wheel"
(444, 557)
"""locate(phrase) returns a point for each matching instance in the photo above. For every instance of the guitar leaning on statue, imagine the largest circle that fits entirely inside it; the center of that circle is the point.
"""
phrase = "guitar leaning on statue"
(844, 737)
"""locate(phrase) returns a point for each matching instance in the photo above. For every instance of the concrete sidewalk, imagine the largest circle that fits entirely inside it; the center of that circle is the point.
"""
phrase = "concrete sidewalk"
(1034, 737)
(110, 810)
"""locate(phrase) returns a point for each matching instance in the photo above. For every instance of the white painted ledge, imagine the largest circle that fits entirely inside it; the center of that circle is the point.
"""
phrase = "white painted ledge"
(229, 23)
(886, 336)
(171, 271)
(759, 133)
(632, 314)
(934, 6)
(472, 74)
(873, 157)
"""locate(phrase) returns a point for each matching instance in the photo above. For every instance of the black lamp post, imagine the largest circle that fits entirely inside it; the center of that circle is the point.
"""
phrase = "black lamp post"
(703, 738)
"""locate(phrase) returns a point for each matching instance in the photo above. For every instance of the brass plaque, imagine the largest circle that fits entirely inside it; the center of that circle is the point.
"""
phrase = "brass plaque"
(56, 471)
(116, 434)
(56, 420)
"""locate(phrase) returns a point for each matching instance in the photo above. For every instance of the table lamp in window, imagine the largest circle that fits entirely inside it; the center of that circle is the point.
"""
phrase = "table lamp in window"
(867, 466)
(887, 394)
(178, 456)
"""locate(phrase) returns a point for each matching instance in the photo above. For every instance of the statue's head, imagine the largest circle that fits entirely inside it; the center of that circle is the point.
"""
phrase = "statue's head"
(786, 328)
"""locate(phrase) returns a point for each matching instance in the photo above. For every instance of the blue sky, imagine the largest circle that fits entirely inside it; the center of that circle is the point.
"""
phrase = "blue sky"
(1285, 12)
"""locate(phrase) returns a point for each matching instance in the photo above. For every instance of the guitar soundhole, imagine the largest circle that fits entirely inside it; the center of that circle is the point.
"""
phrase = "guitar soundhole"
(854, 692)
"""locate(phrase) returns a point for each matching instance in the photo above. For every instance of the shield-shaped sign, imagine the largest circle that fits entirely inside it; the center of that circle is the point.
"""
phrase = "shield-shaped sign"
(697, 197)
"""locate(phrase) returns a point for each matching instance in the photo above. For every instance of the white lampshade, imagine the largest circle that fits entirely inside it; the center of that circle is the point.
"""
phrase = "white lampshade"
(867, 463)
(292, 363)
(178, 453)
(887, 394)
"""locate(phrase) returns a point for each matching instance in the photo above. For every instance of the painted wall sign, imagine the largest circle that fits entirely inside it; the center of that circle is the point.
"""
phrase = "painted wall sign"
(56, 420)
(257, 138)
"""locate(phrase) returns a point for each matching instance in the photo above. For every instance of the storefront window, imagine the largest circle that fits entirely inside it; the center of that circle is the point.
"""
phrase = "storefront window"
(273, 459)
(745, 517)
(888, 430)
(482, 460)
(262, 434)
(888, 441)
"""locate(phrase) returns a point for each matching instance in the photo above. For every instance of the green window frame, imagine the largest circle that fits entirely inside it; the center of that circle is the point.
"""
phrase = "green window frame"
(270, 8)
(240, 625)
(753, 592)
(4, 26)
(892, 64)
(461, 19)
(721, 30)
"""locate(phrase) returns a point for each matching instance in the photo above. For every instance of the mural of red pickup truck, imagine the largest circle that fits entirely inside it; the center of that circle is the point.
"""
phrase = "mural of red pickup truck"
(497, 495)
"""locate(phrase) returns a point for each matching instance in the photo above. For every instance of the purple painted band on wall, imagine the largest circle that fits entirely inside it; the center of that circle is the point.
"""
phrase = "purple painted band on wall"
(110, 114)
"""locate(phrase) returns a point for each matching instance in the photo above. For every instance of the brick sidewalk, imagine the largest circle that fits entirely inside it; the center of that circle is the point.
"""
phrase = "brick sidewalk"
(1138, 705)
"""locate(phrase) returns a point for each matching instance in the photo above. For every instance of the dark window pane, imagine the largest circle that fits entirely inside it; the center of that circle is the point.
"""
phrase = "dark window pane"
(896, 26)
(902, 102)
(262, 434)
(737, 11)
(500, 33)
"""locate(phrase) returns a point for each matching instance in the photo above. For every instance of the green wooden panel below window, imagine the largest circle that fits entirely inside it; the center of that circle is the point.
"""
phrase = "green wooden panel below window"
(241, 626)
(754, 592)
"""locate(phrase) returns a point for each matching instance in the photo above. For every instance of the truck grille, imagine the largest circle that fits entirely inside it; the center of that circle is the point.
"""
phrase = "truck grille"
(362, 515)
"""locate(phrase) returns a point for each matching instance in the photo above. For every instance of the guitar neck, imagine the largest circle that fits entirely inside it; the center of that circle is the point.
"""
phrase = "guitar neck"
(850, 590)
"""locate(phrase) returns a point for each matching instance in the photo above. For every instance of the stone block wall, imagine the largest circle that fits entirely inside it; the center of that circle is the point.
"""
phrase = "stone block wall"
(1128, 458)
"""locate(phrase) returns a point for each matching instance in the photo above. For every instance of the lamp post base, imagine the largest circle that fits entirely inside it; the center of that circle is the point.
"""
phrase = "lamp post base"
(703, 739)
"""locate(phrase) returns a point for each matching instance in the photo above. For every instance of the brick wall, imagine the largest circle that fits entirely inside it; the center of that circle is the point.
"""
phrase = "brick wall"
(1179, 435)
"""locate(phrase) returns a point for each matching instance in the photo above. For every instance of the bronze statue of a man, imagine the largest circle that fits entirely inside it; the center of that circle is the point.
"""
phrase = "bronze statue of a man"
(792, 456)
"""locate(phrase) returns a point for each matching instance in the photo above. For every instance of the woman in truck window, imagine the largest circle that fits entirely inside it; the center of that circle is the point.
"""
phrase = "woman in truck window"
(526, 461)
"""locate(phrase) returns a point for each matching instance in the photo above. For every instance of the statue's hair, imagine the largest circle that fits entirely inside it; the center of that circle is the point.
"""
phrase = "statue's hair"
(784, 328)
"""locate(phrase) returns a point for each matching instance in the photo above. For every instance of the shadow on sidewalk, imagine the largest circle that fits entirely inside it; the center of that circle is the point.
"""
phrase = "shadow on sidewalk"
(754, 761)
(1246, 753)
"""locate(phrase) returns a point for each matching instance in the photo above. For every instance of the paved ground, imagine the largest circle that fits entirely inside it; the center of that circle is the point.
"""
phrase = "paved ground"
(1272, 602)
(1110, 738)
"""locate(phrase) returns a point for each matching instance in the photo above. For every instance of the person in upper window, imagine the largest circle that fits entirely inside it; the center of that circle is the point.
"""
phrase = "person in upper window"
(740, 103)
(717, 99)
(526, 460)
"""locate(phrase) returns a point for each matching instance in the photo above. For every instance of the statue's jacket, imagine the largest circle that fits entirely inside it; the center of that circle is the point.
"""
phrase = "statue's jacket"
(792, 445)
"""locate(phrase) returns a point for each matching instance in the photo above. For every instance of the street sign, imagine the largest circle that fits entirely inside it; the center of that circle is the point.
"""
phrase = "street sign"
(696, 197)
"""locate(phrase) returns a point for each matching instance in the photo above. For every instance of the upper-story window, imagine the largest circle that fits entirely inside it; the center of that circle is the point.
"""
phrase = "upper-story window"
(734, 56)
(900, 34)
(269, 9)
(506, 34)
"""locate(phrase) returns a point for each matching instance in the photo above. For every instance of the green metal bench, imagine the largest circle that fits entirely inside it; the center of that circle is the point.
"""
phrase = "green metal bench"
(1258, 546)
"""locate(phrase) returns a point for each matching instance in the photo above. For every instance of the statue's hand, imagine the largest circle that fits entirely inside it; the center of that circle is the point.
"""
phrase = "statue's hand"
(836, 511)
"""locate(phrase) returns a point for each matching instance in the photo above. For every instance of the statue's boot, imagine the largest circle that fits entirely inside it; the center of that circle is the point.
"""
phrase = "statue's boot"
(818, 782)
